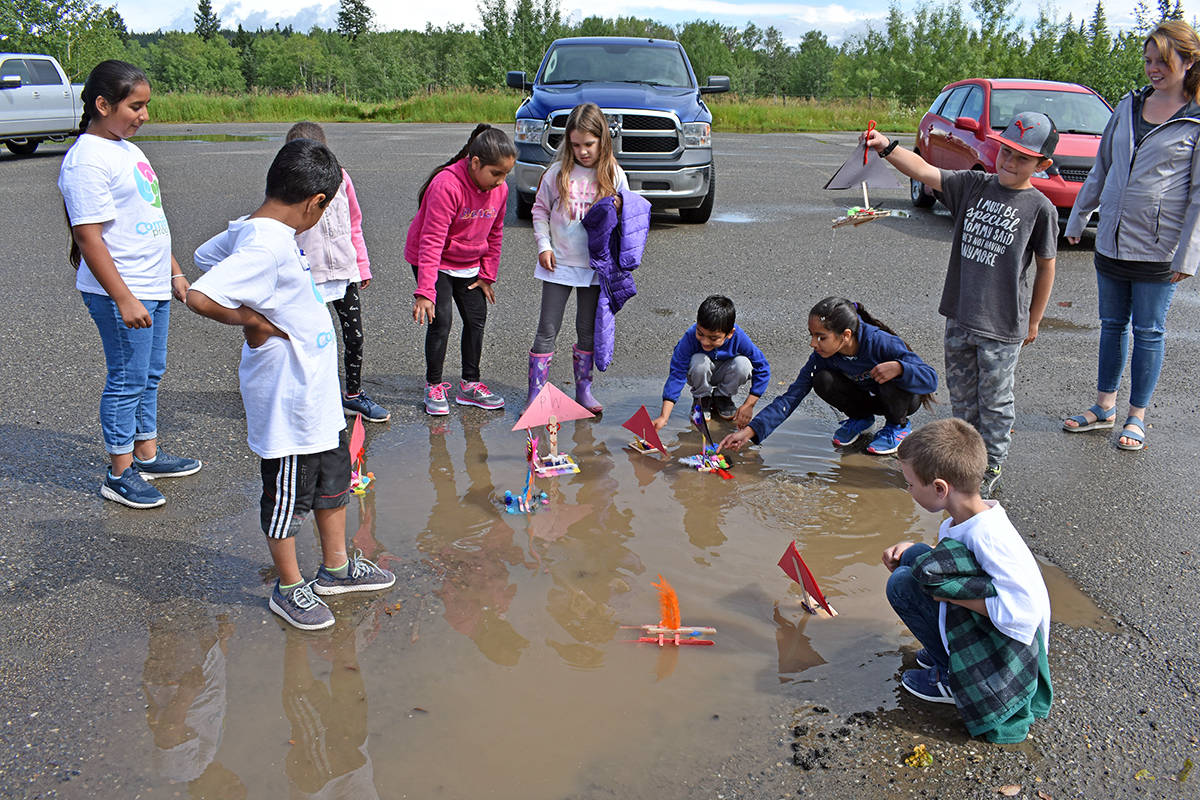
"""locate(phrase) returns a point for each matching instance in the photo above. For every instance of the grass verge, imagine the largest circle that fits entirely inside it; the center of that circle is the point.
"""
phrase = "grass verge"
(730, 112)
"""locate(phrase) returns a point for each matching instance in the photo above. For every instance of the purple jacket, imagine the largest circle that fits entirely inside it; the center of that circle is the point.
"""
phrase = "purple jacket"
(615, 246)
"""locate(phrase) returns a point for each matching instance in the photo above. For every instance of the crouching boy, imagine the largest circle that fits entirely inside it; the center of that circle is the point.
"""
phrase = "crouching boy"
(258, 279)
(976, 601)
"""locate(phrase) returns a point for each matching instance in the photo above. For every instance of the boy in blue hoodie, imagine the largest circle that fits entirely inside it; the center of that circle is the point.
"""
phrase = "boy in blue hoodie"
(714, 358)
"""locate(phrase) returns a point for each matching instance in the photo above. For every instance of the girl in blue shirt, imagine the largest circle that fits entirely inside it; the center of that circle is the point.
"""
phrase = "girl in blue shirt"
(860, 367)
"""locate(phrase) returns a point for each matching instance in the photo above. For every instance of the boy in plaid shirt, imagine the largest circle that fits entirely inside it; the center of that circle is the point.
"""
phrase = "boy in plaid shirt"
(943, 463)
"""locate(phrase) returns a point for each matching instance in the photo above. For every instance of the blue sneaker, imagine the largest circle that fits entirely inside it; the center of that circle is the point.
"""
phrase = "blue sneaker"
(361, 576)
(131, 489)
(361, 403)
(165, 465)
(888, 439)
(850, 429)
(928, 684)
(923, 659)
(300, 608)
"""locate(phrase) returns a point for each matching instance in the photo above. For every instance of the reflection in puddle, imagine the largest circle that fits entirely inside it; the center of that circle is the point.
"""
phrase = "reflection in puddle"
(733, 216)
(202, 137)
(500, 668)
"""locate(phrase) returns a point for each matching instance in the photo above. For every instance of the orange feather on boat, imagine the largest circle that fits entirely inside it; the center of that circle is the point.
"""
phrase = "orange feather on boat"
(668, 603)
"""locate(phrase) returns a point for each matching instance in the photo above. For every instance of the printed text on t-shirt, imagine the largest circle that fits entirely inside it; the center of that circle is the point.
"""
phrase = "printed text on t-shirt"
(988, 231)
(477, 213)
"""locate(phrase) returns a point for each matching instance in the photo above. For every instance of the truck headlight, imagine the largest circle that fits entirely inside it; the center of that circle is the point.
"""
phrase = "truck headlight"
(529, 131)
(697, 134)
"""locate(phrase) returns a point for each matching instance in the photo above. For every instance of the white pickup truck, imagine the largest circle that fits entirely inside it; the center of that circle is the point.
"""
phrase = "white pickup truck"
(37, 102)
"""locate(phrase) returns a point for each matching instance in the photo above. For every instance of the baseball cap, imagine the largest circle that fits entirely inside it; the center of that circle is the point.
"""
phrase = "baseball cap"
(1031, 132)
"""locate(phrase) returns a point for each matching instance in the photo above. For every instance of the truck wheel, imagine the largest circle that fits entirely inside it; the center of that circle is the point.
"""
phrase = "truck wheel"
(22, 149)
(916, 190)
(700, 214)
(524, 207)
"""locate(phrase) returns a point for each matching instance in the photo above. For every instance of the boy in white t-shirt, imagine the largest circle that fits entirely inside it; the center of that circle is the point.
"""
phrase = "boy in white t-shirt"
(942, 464)
(257, 278)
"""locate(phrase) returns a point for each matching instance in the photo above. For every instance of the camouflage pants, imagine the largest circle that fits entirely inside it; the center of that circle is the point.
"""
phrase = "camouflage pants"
(979, 375)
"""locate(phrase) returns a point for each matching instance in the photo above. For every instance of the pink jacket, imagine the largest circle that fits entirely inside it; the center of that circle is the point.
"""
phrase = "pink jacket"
(457, 227)
(335, 246)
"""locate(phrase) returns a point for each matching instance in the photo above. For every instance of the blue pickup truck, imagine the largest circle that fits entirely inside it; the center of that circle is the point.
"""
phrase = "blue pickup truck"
(661, 128)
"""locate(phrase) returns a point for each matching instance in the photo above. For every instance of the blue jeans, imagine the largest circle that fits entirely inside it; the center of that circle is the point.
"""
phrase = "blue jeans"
(136, 358)
(916, 609)
(1145, 303)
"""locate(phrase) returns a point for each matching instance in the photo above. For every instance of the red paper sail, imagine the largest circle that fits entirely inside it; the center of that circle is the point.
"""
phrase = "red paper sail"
(358, 438)
(550, 402)
(641, 426)
(795, 568)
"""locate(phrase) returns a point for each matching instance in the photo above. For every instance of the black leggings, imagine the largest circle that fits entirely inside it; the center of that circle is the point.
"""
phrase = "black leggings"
(472, 307)
(855, 402)
(349, 311)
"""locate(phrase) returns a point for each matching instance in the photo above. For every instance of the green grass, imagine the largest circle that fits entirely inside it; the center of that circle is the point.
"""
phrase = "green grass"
(730, 112)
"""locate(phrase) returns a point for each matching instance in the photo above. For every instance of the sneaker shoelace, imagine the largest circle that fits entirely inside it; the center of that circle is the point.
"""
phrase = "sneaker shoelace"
(304, 598)
(437, 391)
(478, 387)
(361, 567)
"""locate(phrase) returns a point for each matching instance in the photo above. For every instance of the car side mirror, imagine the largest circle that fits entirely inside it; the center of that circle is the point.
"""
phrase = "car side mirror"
(516, 80)
(10, 81)
(967, 124)
(716, 84)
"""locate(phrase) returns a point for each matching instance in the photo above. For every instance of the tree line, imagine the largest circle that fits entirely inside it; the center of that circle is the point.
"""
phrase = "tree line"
(908, 57)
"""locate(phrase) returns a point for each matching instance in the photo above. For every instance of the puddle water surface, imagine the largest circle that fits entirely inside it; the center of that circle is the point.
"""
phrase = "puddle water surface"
(507, 672)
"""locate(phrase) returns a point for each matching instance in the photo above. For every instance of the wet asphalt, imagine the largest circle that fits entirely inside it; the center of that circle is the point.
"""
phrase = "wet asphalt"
(79, 576)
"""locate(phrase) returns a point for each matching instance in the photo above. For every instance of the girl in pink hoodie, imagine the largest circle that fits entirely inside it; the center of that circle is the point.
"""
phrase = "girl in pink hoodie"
(453, 245)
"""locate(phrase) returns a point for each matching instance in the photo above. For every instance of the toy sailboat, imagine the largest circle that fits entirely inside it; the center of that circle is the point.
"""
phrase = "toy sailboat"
(550, 407)
(646, 435)
(359, 481)
(669, 630)
(795, 568)
(709, 460)
(864, 167)
(529, 500)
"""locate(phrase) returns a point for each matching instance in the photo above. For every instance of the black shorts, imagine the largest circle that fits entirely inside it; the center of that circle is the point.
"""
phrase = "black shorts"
(294, 485)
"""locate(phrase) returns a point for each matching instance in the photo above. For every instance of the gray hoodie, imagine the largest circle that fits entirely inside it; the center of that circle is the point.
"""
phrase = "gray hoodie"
(1149, 211)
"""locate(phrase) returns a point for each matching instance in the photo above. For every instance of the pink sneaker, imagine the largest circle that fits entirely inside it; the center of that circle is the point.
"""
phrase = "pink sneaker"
(474, 393)
(435, 399)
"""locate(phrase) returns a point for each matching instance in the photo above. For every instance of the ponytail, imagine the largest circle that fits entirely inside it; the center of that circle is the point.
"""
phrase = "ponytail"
(114, 81)
(837, 314)
(487, 143)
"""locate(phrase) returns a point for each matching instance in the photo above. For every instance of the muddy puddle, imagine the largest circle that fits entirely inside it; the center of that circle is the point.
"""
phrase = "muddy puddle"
(498, 667)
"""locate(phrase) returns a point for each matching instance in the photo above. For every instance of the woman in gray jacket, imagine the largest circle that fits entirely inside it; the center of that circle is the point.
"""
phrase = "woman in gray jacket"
(1146, 182)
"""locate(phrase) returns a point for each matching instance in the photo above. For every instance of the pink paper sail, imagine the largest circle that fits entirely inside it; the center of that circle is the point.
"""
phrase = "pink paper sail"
(358, 438)
(795, 568)
(550, 402)
(642, 427)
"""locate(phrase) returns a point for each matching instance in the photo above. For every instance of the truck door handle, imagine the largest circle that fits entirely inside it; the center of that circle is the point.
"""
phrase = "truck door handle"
(35, 94)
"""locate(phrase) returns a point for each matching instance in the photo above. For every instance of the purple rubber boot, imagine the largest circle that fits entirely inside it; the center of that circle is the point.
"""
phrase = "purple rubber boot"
(539, 369)
(582, 360)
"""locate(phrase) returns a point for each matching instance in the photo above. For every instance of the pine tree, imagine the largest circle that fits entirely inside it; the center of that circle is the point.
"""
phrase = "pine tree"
(208, 24)
(354, 18)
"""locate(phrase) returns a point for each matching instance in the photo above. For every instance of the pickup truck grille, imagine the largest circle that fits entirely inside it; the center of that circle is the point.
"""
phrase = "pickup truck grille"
(640, 133)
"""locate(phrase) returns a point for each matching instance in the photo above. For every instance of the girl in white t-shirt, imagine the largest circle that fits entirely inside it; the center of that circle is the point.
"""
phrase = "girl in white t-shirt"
(121, 250)
(584, 172)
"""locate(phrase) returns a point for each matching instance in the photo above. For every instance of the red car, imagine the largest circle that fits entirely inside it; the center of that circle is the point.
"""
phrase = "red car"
(953, 133)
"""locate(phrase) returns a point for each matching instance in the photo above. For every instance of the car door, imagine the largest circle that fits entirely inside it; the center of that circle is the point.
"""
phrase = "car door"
(940, 145)
(16, 103)
(52, 94)
(963, 144)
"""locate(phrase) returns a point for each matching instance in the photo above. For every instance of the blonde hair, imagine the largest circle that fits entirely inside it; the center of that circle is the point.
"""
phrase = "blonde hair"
(1176, 38)
(949, 449)
(588, 118)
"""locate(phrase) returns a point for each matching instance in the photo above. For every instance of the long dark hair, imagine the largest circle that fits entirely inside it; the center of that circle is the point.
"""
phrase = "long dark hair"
(837, 314)
(487, 143)
(114, 81)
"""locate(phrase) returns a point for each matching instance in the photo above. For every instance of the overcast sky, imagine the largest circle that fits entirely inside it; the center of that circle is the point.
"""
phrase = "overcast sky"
(793, 19)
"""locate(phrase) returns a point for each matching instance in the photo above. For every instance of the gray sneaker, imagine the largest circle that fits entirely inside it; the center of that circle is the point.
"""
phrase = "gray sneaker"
(435, 399)
(361, 403)
(300, 608)
(474, 393)
(361, 576)
(991, 478)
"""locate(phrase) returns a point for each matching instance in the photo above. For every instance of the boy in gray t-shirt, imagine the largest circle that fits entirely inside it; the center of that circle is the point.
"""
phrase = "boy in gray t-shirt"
(1002, 227)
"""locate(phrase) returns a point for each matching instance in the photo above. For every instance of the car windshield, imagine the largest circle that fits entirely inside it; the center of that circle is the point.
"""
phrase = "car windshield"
(1072, 112)
(617, 63)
